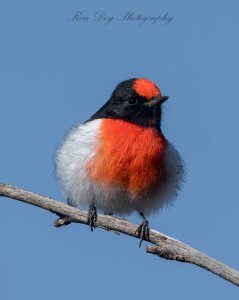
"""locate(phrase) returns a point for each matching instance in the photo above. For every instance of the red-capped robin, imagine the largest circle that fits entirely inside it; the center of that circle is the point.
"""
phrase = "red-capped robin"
(119, 161)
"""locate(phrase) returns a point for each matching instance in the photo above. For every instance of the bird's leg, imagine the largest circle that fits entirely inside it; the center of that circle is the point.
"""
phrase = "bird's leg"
(92, 216)
(143, 230)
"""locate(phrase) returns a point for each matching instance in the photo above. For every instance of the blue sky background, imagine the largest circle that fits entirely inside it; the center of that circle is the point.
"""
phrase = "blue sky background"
(55, 74)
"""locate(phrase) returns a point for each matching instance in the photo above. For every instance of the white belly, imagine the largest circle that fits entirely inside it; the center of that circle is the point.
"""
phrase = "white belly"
(79, 148)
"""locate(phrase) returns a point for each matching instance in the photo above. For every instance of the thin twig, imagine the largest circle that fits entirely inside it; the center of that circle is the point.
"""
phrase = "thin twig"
(166, 247)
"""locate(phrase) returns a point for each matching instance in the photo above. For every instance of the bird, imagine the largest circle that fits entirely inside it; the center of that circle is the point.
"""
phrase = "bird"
(119, 161)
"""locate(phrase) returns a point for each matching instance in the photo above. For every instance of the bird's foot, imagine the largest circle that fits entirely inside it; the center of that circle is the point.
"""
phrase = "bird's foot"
(143, 231)
(92, 216)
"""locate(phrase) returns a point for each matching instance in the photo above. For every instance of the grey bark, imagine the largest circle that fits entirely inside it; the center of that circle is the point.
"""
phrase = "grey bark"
(165, 246)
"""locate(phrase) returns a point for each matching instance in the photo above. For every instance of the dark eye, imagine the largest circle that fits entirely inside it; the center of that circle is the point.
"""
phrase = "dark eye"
(132, 101)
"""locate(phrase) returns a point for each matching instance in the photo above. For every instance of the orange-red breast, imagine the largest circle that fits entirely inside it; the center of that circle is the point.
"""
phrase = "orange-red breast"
(119, 161)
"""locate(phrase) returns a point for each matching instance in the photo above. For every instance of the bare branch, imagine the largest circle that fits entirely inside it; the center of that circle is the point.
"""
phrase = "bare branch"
(166, 247)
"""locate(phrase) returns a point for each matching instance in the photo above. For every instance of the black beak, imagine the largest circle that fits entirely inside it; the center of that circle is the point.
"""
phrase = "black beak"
(156, 101)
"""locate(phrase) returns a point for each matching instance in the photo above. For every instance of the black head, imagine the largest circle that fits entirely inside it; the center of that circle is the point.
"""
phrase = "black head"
(135, 100)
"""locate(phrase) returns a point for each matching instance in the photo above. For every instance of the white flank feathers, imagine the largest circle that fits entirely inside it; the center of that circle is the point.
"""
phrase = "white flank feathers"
(79, 148)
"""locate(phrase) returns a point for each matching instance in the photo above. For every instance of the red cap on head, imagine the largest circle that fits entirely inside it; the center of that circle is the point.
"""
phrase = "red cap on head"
(146, 88)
